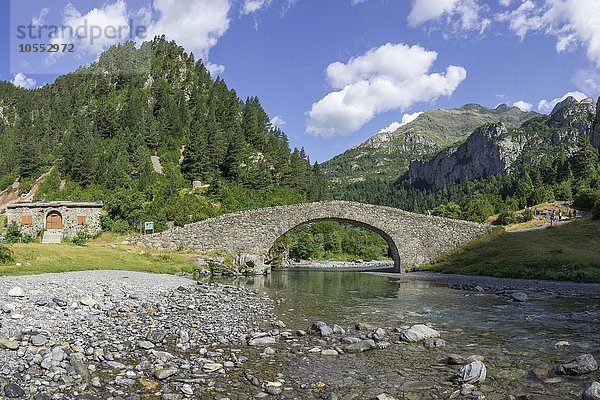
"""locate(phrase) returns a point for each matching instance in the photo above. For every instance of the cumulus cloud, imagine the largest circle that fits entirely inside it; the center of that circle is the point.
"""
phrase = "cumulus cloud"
(505, 3)
(571, 22)
(523, 105)
(214, 69)
(112, 20)
(21, 80)
(393, 127)
(546, 106)
(461, 14)
(251, 6)
(278, 121)
(390, 77)
(406, 119)
(196, 25)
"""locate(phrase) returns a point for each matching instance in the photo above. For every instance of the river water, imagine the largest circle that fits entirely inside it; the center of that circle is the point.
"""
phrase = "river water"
(516, 339)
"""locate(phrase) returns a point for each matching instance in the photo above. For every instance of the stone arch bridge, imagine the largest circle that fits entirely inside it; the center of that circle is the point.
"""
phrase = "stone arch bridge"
(413, 239)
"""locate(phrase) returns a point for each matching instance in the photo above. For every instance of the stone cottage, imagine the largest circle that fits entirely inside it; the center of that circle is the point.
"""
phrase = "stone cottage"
(57, 219)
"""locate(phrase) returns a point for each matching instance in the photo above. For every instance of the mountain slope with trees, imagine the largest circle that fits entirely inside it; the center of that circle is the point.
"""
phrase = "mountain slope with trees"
(547, 158)
(101, 124)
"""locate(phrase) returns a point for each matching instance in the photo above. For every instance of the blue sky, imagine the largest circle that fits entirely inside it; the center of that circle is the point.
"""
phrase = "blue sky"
(335, 72)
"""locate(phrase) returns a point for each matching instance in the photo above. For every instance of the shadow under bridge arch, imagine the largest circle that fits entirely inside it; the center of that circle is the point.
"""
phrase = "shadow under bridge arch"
(392, 246)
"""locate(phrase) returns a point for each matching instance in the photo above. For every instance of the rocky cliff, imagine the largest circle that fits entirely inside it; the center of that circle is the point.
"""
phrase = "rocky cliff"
(388, 154)
(494, 149)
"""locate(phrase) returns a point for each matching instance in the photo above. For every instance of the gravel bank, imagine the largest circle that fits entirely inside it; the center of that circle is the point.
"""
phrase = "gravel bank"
(492, 283)
(115, 334)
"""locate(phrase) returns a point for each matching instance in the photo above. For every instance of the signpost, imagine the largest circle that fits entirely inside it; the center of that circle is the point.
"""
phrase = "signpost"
(148, 227)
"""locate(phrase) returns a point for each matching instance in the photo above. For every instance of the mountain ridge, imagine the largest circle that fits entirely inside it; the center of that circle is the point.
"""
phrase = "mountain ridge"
(387, 154)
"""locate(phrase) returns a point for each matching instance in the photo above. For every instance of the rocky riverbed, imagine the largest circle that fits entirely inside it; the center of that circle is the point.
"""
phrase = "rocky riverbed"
(124, 335)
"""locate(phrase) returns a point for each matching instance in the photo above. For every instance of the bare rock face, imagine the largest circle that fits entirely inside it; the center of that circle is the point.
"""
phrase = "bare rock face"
(488, 151)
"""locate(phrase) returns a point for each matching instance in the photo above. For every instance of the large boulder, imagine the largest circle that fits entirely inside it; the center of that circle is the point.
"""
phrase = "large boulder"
(471, 373)
(592, 393)
(418, 333)
(583, 364)
(320, 328)
(360, 346)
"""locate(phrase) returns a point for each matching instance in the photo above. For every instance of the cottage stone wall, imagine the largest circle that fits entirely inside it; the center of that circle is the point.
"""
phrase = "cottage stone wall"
(69, 212)
(414, 239)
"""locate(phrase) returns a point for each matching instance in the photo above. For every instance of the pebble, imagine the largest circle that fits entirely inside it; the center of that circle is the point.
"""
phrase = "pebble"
(16, 292)
(519, 297)
(417, 333)
(14, 391)
(164, 373)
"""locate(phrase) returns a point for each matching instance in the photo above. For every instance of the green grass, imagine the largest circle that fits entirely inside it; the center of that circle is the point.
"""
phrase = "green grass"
(568, 252)
(106, 252)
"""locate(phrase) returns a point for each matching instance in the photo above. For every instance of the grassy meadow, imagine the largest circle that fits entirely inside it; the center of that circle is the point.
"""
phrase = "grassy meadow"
(105, 252)
(567, 252)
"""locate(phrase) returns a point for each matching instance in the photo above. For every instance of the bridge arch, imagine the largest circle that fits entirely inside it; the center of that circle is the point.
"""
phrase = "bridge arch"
(392, 246)
(414, 239)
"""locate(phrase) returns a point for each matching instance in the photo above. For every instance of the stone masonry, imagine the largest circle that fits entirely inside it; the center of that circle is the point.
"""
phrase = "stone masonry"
(414, 239)
(74, 216)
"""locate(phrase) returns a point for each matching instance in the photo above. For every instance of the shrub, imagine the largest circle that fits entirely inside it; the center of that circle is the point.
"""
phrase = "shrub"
(6, 254)
(506, 218)
(13, 234)
(120, 226)
(80, 239)
(587, 198)
(527, 215)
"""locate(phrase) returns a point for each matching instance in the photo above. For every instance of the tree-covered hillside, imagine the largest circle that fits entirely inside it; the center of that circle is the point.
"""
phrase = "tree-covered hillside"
(551, 158)
(100, 125)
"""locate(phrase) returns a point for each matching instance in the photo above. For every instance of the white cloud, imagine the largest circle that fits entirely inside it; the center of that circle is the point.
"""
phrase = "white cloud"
(547, 105)
(571, 22)
(523, 105)
(214, 69)
(588, 80)
(406, 119)
(251, 6)
(93, 32)
(461, 14)
(23, 81)
(196, 25)
(355, 2)
(278, 121)
(393, 127)
(390, 77)
(40, 19)
(505, 3)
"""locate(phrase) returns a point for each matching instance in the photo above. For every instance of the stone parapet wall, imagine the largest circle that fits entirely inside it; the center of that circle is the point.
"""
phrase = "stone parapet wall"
(414, 239)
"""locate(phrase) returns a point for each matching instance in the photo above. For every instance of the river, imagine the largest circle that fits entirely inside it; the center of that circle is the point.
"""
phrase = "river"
(518, 340)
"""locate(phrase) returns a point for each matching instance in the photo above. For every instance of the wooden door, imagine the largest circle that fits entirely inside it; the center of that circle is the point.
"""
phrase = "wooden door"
(54, 221)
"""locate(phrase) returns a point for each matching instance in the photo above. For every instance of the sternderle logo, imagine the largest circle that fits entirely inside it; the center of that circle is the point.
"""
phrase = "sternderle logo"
(51, 38)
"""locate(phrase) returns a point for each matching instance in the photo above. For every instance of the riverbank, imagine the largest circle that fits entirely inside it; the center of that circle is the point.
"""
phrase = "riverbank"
(569, 252)
(118, 334)
(103, 253)
(489, 283)
(343, 265)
